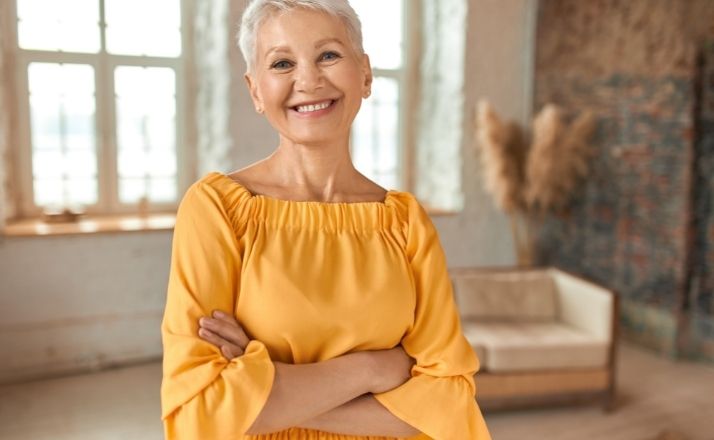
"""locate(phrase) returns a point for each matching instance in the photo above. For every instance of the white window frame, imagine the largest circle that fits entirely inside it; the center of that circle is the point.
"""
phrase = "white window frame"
(105, 124)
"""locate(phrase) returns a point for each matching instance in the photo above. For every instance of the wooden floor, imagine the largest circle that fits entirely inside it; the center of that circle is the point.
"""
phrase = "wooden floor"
(658, 399)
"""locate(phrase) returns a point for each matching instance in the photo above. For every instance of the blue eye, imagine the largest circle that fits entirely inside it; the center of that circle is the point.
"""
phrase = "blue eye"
(330, 56)
(282, 64)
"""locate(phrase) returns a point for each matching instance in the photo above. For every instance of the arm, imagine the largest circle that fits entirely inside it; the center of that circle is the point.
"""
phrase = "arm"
(314, 395)
(361, 416)
(304, 391)
(439, 397)
(204, 395)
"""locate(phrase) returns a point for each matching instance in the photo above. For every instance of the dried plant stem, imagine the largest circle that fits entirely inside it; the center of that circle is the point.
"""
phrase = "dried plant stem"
(523, 228)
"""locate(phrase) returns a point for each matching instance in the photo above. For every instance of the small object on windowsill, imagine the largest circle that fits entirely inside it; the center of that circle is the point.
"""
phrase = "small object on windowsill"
(64, 214)
(143, 207)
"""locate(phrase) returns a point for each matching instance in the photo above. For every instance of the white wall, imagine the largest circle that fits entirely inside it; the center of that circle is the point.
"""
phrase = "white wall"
(77, 302)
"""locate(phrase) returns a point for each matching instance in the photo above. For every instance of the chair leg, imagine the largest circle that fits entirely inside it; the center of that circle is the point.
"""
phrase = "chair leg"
(609, 401)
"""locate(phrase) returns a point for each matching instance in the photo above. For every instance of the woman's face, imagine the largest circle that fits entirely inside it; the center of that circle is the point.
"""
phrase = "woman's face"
(307, 77)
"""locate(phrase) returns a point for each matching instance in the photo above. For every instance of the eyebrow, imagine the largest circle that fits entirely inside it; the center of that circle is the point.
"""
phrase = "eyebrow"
(319, 44)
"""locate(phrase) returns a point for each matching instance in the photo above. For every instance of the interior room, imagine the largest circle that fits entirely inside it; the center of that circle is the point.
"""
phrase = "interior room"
(562, 149)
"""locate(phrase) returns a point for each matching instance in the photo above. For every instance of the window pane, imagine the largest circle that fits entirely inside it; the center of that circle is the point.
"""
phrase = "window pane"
(82, 191)
(382, 23)
(138, 27)
(59, 25)
(146, 133)
(64, 158)
(48, 192)
(45, 121)
(132, 190)
(157, 190)
(375, 134)
(162, 190)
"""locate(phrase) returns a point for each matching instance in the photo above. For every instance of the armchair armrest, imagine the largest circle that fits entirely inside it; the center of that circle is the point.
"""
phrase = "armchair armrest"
(585, 305)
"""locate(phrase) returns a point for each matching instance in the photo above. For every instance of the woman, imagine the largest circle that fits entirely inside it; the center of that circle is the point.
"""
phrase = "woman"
(304, 300)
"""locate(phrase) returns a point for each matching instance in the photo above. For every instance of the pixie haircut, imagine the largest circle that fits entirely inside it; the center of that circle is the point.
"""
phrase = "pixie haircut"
(258, 10)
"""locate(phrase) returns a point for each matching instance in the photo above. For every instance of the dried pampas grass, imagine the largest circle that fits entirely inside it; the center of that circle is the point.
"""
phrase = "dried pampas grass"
(558, 159)
(503, 149)
(528, 181)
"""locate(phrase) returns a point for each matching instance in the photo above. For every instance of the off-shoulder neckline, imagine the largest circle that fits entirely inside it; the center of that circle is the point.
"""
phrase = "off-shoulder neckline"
(388, 195)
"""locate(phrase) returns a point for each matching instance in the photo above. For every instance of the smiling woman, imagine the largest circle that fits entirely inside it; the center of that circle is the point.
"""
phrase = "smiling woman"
(304, 300)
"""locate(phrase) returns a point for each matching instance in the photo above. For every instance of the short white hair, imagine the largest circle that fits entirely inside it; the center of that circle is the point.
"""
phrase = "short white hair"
(258, 10)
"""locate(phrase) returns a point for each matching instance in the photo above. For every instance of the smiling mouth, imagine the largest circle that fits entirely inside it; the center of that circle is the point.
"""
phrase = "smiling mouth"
(313, 107)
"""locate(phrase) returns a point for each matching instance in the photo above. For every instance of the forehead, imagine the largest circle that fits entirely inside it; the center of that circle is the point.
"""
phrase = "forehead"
(298, 27)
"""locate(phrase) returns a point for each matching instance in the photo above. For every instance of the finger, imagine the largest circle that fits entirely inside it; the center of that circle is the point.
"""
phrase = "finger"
(228, 331)
(228, 327)
(231, 352)
(232, 349)
(212, 337)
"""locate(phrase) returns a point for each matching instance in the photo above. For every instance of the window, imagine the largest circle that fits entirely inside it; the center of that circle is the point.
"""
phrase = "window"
(100, 100)
(380, 131)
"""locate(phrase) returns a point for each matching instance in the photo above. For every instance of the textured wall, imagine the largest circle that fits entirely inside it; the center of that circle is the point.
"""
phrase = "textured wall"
(6, 124)
(635, 64)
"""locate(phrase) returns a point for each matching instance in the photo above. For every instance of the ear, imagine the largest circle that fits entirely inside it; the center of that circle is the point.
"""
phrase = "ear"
(368, 77)
(253, 89)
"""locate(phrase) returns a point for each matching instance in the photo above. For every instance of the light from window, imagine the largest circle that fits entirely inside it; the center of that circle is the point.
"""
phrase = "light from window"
(59, 25)
(146, 127)
(376, 132)
(140, 27)
(382, 31)
(62, 109)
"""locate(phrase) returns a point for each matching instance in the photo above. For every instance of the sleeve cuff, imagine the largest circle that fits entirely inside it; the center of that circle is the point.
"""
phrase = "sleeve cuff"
(441, 407)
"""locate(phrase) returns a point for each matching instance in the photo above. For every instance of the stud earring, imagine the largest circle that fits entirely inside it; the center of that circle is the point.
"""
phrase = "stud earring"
(259, 110)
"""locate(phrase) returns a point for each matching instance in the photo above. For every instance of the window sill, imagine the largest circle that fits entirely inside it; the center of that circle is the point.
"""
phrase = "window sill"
(116, 223)
(91, 225)
(439, 212)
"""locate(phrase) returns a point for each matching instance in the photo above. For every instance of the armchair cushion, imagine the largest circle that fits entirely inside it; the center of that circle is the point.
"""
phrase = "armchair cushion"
(520, 346)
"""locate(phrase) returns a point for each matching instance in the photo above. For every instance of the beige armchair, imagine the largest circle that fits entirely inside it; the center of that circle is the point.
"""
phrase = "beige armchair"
(543, 336)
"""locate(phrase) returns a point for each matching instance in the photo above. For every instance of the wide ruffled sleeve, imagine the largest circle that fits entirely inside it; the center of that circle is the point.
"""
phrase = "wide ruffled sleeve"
(203, 395)
(439, 399)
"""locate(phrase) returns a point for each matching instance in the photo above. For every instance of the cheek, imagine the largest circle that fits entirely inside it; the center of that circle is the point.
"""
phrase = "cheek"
(274, 92)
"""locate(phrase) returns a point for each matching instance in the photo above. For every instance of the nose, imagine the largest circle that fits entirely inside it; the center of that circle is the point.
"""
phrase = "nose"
(308, 78)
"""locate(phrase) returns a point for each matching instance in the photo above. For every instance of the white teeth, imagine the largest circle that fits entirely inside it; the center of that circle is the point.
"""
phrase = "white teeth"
(313, 108)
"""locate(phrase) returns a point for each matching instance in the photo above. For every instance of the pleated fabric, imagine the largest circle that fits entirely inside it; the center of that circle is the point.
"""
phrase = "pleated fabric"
(309, 281)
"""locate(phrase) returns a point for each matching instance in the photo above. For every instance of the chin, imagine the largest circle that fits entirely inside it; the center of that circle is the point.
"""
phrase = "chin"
(318, 136)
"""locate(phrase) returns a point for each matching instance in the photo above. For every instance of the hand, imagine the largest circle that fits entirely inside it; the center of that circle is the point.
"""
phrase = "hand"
(224, 331)
(390, 368)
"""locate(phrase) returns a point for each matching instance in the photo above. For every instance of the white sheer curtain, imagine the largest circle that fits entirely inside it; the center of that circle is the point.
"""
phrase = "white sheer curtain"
(213, 36)
(441, 108)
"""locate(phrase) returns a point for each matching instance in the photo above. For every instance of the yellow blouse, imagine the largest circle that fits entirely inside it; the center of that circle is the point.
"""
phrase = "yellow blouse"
(309, 281)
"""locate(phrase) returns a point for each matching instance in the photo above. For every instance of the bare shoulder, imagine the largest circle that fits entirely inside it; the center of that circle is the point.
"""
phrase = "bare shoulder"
(369, 190)
(253, 177)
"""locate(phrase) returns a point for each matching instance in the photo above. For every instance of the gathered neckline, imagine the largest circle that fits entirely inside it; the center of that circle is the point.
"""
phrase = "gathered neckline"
(387, 197)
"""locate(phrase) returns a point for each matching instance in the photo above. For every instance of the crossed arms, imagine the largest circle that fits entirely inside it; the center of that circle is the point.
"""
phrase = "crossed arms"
(333, 395)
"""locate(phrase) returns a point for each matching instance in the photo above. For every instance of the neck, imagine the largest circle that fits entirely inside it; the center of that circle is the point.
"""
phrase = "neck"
(322, 171)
